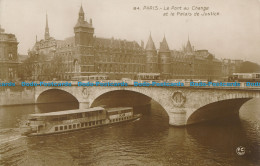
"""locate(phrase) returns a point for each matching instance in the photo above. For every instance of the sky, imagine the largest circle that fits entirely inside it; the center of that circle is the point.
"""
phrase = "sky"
(234, 34)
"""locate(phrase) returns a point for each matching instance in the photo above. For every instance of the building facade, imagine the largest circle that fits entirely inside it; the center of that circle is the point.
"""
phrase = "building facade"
(84, 54)
(8, 56)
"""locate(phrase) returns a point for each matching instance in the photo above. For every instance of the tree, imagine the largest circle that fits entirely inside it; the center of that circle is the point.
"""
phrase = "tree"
(30, 66)
(57, 67)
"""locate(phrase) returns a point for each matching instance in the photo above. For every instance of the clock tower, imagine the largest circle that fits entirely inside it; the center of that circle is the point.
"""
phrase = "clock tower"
(83, 30)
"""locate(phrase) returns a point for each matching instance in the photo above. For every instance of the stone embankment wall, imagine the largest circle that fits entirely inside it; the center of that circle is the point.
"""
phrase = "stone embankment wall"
(16, 96)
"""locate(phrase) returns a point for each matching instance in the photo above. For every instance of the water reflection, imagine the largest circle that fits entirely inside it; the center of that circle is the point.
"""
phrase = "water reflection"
(11, 116)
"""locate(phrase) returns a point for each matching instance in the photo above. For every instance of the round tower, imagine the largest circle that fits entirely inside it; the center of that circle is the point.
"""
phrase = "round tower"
(164, 59)
(151, 65)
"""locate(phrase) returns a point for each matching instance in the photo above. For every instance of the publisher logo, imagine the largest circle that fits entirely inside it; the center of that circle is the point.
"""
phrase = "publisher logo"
(241, 150)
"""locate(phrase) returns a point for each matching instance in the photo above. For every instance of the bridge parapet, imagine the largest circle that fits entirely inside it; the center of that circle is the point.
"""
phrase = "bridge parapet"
(185, 84)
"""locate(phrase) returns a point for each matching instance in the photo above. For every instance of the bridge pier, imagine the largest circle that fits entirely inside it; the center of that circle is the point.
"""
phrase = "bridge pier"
(177, 119)
(83, 105)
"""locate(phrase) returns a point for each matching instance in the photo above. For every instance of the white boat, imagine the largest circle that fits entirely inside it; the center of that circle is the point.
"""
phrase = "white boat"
(71, 120)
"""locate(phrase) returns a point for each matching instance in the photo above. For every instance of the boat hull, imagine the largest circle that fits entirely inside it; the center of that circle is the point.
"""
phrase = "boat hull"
(135, 117)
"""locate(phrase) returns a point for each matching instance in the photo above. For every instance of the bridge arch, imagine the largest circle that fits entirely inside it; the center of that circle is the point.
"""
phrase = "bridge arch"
(222, 103)
(55, 96)
(132, 97)
(121, 98)
(218, 109)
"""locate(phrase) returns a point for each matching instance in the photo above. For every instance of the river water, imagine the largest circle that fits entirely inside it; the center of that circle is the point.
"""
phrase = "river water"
(148, 141)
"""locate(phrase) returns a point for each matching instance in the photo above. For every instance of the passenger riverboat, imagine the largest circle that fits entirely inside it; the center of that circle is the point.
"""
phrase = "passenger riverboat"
(71, 120)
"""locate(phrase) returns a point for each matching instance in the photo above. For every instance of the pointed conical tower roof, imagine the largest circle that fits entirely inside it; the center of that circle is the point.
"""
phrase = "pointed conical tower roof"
(164, 45)
(81, 10)
(188, 46)
(47, 33)
(81, 18)
(150, 44)
(46, 25)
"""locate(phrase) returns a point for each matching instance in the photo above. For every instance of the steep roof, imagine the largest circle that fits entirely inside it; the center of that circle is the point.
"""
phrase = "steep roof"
(70, 41)
(81, 10)
(115, 43)
(150, 44)
(188, 46)
(164, 46)
(66, 112)
(83, 24)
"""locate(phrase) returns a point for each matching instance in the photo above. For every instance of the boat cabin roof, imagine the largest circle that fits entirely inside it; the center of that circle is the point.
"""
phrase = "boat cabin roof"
(118, 109)
(67, 112)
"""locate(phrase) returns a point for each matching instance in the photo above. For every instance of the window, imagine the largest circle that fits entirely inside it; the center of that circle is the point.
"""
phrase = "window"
(61, 127)
(70, 126)
(63, 118)
(82, 124)
(65, 127)
(56, 128)
(74, 126)
(93, 123)
(86, 124)
(78, 125)
(89, 123)
(10, 55)
(80, 115)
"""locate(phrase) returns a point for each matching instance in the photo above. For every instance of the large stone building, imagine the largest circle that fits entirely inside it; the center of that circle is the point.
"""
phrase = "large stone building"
(230, 66)
(84, 54)
(8, 56)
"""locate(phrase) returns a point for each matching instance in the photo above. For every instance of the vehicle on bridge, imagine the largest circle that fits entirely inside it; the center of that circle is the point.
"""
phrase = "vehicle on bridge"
(89, 78)
(71, 120)
(244, 77)
(148, 76)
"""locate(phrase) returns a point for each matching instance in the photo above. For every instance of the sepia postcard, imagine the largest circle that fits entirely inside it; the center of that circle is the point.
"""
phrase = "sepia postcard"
(129, 82)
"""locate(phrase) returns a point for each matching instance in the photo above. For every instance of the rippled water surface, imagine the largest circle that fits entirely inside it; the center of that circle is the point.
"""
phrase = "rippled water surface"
(148, 141)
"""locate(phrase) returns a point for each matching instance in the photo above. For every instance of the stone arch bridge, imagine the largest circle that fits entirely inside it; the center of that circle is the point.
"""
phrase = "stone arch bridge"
(184, 105)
